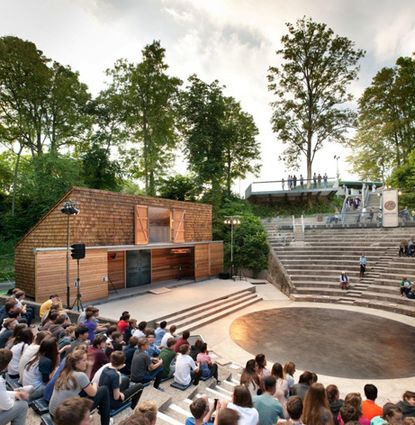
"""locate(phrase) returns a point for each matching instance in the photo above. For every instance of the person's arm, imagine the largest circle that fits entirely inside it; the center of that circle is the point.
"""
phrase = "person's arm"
(90, 390)
(85, 384)
(155, 365)
(45, 369)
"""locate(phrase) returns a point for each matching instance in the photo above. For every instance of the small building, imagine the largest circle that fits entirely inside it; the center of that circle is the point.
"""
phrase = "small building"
(130, 241)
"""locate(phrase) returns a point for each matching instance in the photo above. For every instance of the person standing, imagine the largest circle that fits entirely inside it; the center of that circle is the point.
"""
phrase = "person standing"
(363, 264)
(325, 180)
(315, 180)
(295, 181)
(301, 181)
(344, 281)
(289, 180)
(319, 179)
(283, 183)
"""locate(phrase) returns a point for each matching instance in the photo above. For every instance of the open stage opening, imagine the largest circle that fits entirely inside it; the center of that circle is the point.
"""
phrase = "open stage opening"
(330, 342)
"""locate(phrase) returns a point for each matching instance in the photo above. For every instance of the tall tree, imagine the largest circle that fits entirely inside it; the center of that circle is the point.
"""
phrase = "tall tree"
(386, 121)
(149, 108)
(311, 89)
(219, 137)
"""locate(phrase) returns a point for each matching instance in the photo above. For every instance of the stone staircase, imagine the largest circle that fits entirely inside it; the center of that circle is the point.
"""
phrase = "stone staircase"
(315, 265)
(204, 313)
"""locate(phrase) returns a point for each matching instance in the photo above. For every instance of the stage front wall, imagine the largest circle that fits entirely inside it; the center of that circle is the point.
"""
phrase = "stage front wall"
(50, 276)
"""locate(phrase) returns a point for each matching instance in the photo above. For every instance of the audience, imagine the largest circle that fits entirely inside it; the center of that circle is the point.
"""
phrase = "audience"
(139, 332)
(316, 409)
(186, 369)
(53, 300)
(31, 351)
(303, 385)
(201, 411)
(129, 351)
(250, 378)
(407, 405)
(96, 355)
(335, 403)
(281, 391)
(242, 403)
(295, 410)
(207, 367)
(369, 408)
(153, 351)
(269, 409)
(144, 414)
(391, 415)
(13, 404)
(182, 340)
(6, 332)
(160, 332)
(143, 369)
(167, 335)
(261, 365)
(123, 323)
(22, 340)
(356, 401)
(74, 411)
(289, 370)
(168, 355)
(226, 416)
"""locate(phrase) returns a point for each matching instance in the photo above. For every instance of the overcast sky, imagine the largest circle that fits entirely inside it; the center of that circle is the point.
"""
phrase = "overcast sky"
(233, 41)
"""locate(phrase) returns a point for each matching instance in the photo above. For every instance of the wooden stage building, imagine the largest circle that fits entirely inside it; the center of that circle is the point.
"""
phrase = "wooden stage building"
(130, 241)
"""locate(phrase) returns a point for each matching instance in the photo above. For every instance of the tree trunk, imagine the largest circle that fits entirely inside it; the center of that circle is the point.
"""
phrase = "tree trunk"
(16, 170)
(145, 155)
(228, 175)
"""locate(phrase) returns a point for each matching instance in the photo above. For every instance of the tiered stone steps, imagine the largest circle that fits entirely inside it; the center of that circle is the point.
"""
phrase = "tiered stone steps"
(204, 313)
(314, 268)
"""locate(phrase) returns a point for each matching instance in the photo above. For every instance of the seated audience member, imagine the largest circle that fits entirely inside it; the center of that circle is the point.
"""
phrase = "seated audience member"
(119, 389)
(82, 314)
(139, 332)
(10, 310)
(132, 326)
(15, 337)
(22, 340)
(7, 331)
(344, 281)
(186, 370)
(405, 286)
(143, 369)
(335, 403)
(153, 350)
(144, 414)
(74, 411)
(50, 320)
(160, 332)
(31, 351)
(207, 367)
(314, 378)
(356, 400)
(407, 405)
(270, 410)
(39, 369)
(391, 415)
(316, 409)
(73, 381)
(67, 338)
(201, 411)
(81, 337)
(129, 351)
(27, 312)
(281, 391)
(96, 354)
(167, 354)
(91, 318)
(182, 340)
(289, 370)
(114, 343)
(226, 416)
(47, 305)
(167, 335)
(13, 404)
(123, 323)
(303, 385)
(295, 410)
(58, 328)
(261, 367)
(348, 414)
(369, 408)
(250, 378)
(196, 348)
(242, 403)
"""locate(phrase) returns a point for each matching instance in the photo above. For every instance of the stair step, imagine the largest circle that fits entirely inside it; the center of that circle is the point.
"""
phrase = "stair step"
(168, 419)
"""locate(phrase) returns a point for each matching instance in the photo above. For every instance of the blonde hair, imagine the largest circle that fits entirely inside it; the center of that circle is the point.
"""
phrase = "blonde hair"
(66, 380)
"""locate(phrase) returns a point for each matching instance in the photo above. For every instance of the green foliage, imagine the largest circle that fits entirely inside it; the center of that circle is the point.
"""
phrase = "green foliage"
(403, 177)
(180, 188)
(311, 89)
(385, 132)
(250, 242)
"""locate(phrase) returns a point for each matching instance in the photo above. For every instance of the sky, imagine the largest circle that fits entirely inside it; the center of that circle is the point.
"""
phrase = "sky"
(233, 41)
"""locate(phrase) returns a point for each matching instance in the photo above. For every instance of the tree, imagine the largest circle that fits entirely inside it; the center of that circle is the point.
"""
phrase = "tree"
(147, 98)
(180, 188)
(311, 89)
(386, 121)
(219, 137)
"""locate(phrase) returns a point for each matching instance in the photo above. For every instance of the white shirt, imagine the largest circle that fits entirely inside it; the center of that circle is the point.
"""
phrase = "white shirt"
(7, 398)
(247, 415)
(17, 350)
(165, 338)
(27, 355)
(32, 376)
(138, 333)
(184, 365)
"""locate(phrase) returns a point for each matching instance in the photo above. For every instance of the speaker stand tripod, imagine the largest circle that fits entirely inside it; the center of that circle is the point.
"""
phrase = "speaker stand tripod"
(78, 303)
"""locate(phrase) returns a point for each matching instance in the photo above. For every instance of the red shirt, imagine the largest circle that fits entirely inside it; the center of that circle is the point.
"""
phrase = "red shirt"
(370, 409)
(180, 342)
(122, 325)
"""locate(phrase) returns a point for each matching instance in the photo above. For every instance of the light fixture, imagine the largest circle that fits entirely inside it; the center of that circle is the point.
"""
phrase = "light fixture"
(232, 221)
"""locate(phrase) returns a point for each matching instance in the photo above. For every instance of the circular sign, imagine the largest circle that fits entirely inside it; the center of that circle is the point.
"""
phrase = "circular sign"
(390, 205)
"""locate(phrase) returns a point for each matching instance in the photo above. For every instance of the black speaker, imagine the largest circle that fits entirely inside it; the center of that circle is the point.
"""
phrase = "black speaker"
(78, 251)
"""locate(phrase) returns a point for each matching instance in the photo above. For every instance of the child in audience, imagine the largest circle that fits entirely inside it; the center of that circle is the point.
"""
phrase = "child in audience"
(123, 323)
(407, 405)
(74, 411)
(207, 367)
(160, 332)
(295, 410)
(201, 411)
(369, 408)
(186, 369)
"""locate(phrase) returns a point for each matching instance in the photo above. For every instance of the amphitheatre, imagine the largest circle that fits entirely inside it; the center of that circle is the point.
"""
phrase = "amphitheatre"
(295, 312)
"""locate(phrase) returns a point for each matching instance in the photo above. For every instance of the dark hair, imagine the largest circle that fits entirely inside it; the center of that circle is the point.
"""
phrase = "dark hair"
(172, 329)
(390, 409)
(10, 303)
(242, 396)
(116, 335)
(89, 314)
(111, 330)
(314, 377)
(186, 335)
(228, 417)
(133, 341)
(170, 342)
(8, 322)
(184, 348)
(5, 357)
(125, 316)
(260, 361)
(314, 400)
(98, 340)
(149, 332)
(117, 358)
(371, 392)
(408, 394)
(203, 347)
(349, 412)
(198, 407)
(295, 407)
(80, 330)
(19, 294)
(277, 370)
(332, 393)
(53, 296)
(163, 324)
(306, 378)
(25, 336)
(48, 348)
(269, 383)
(289, 368)
(40, 336)
(72, 411)
(142, 325)
(53, 315)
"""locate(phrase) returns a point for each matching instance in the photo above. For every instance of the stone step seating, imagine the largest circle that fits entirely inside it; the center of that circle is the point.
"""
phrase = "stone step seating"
(204, 313)
(314, 267)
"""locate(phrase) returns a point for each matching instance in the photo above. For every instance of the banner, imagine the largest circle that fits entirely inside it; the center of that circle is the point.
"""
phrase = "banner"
(390, 208)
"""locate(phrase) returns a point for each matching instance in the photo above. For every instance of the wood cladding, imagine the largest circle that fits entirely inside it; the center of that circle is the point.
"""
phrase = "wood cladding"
(116, 267)
(51, 275)
(216, 258)
(106, 218)
(166, 265)
(140, 224)
(201, 261)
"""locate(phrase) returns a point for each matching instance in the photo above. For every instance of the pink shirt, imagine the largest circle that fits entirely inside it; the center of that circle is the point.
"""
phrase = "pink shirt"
(203, 358)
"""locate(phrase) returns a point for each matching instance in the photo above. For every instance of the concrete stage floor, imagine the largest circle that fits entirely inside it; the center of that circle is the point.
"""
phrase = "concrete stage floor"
(330, 342)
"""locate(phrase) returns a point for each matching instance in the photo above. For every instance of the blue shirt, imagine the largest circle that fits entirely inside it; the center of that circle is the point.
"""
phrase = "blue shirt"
(159, 333)
(269, 409)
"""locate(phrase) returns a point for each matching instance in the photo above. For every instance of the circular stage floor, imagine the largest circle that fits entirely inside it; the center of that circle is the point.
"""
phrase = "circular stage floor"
(330, 342)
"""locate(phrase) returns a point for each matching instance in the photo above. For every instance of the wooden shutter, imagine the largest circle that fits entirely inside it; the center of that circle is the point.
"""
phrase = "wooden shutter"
(178, 225)
(141, 224)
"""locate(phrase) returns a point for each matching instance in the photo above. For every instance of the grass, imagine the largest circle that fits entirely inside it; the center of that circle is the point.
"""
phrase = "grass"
(6, 260)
